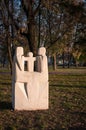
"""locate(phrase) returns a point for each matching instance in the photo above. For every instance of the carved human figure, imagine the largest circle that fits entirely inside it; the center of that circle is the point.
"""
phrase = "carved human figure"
(30, 67)
(30, 62)
(42, 61)
(18, 67)
(20, 58)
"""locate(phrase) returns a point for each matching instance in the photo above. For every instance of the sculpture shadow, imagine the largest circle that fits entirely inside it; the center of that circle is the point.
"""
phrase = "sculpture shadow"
(8, 84)
(77, 128)
(5, 105)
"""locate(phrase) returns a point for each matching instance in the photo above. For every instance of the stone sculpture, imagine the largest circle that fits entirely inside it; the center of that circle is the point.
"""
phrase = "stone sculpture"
(30, 88)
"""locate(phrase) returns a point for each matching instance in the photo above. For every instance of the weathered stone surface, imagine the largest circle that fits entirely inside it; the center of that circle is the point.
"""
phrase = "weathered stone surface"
(30, 88)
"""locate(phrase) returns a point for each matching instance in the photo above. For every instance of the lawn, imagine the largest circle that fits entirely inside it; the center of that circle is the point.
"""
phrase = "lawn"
(67, 103)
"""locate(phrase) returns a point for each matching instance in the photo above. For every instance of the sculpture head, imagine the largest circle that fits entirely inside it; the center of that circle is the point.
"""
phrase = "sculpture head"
(30, 54)
(42, 51)
(19, 51)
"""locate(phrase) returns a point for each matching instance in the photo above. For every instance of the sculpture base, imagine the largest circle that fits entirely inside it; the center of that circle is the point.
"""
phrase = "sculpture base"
(28, 97)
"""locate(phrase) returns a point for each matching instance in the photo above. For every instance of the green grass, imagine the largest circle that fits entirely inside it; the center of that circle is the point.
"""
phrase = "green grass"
(68, 80)
(67, 104)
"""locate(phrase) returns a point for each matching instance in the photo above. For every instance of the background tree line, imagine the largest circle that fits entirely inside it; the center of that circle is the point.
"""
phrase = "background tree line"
(58, 25)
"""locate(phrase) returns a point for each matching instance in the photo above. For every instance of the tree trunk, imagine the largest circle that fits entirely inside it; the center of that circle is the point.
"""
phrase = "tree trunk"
(9, 42)
(39, 24)
(32, 37)
(49, 25)
(31, 29)
(54, 62)
(3, 62)
(9, 54)
(68, 60)
(77, 64)
(63, 59)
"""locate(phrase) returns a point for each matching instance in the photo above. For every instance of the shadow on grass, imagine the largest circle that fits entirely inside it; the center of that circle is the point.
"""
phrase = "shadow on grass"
(77, 128)
(79, 113)
(5, 83)
(5, 105)
(69, 86)
(70, 128)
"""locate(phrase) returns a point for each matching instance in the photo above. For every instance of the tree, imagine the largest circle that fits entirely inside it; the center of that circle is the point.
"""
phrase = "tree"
(39, 21)
(5, 22)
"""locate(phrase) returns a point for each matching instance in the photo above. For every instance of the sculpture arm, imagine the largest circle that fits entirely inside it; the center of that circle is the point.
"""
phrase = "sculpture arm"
(26, 58)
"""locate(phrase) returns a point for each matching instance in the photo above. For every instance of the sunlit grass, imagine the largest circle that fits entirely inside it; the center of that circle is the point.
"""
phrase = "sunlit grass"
(67, 80)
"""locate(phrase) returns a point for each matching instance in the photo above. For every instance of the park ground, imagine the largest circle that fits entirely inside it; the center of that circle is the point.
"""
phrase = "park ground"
(67, 103)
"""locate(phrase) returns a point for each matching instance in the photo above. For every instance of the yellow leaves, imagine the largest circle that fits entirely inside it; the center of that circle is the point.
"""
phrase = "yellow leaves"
(77, 54)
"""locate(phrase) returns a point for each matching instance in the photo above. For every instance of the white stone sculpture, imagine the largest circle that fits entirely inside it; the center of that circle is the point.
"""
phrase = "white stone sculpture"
(30, 88)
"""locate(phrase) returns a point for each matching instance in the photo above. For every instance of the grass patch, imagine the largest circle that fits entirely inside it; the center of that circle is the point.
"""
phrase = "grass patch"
(67, 104)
